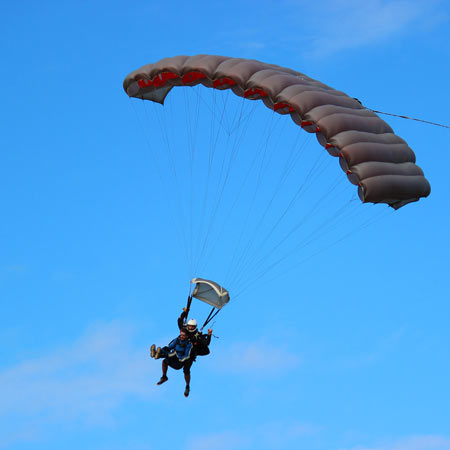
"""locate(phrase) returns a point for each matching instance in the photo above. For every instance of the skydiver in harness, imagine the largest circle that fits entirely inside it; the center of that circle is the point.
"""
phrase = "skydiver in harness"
(182, 351)
(178, 354)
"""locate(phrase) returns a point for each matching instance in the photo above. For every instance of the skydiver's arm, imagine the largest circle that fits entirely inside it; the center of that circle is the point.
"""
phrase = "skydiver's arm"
(181, 319)
(172, 344)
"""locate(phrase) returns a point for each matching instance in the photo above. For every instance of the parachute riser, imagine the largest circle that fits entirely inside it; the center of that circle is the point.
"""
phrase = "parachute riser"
(210, 317)
(188, 307)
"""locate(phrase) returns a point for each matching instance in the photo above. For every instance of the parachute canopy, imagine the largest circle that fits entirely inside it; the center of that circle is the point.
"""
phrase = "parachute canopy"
(210, 292)
(375, 159)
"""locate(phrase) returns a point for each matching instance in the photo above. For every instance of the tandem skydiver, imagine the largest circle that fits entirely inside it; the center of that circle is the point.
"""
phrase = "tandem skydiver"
(182, 351)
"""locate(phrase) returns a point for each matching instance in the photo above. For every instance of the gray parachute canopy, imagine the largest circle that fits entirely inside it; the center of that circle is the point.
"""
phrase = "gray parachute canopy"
(210, 292)
(375, 159)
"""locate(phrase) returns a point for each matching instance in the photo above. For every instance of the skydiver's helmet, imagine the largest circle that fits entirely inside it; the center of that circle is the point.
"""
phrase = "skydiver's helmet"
(191, 326)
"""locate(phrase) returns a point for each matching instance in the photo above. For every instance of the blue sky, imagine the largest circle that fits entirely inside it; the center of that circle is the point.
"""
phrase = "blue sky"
(346, 351)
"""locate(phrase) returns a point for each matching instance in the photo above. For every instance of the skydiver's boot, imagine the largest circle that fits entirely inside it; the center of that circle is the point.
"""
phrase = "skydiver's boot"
(152, 351)
(162, 380)
(186, 391)
(157, 353)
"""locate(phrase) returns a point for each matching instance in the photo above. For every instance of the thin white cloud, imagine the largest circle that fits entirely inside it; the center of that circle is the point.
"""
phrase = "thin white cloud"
(85, 381)
(417, 442)
(28, 433)
(226, 440)
(257, 356)
(254, 45)
(329, 27)
(348, 24)
(13, 269)
(267, 435)
(379, 350)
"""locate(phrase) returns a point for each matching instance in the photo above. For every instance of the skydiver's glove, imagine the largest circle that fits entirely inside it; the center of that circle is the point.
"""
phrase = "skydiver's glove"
(209, 332)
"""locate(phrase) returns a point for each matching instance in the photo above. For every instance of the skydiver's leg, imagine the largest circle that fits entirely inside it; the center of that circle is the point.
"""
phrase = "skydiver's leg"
(187, 377)
(161, 352)
(163, 378)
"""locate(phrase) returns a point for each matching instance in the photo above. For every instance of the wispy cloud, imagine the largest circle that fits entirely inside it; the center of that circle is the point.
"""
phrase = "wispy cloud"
(13, 269)
(418, 442)
(348, 24)
(379, 350)
(329, 27)
(85, 381)
(267, 435)
(218, 441)
(255, 356)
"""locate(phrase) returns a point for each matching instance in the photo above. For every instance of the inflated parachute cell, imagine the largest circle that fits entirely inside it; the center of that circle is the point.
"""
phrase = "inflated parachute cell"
(375, 159)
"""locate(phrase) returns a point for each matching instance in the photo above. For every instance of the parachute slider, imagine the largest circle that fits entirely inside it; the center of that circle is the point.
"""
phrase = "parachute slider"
(210, 292)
